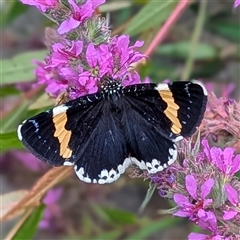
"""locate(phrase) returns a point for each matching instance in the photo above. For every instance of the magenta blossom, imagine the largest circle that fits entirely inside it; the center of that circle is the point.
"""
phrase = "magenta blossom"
(65, 54)
(236, 3)
(223, 159)
(194, 207)
(189, 183)
(112, 60)
(79, 70)
(234, 198)
(79, 13)
(200, 236)
(30, 161)
(42, 5)
(52, 210)
(78, 61)
(55, 84)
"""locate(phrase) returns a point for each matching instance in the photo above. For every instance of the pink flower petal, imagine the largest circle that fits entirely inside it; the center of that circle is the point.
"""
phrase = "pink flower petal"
(228, 155)
(207, 220)
(197, 236)
(52, 196)
(91, 55)
(235, 165)
(206, 188)
(216, 155)
(236, 3)
(68, 25)
(191, 186)
(181, 200)
(229, 214)
(182, 213)
(232, 194)
(42, 5)
(77, 47)
(206, 148)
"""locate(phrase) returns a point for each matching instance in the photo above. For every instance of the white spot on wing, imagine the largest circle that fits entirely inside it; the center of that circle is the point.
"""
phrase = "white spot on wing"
(66, 163)
(178, 138)
(106, 176)
(173, 155)
(162, 87)
(19, 132)
(200, 84)
(59, 109)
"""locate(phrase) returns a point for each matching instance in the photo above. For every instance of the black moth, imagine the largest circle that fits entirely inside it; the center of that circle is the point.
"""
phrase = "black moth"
(102, 134)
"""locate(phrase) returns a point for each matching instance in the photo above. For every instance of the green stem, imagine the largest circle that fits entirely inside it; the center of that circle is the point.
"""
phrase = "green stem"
(194, 40)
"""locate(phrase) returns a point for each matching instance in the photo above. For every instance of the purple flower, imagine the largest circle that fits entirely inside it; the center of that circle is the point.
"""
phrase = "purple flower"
(52, 210)
(200, 236)
(207, 220)
(234, 199)
(236, 3)
(78, 14)
(55, 84)
(96, 66)
(30, 161)
(194, 207)
(223, 159)
(78, 69)
(42, 5)
(65, 54)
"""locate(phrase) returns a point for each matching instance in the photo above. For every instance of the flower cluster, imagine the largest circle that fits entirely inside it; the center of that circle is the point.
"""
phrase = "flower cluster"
(82, 50)
(221, 123)
(205, 189)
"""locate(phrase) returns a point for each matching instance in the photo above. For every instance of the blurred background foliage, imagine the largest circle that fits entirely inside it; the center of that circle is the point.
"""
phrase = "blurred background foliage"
(203, 44)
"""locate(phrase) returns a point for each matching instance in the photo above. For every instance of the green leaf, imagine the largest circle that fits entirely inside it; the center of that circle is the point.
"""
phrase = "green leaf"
(204, 51)
(8, 91)
(207, 69)
(162, 69)
(20, 68)
(153, 227)
(29, 227)
(148, 197)
(9, 141)
(14, 9)
(108, 235)
(114, 216)
(120, 217)
(152, 14)
(227, 29)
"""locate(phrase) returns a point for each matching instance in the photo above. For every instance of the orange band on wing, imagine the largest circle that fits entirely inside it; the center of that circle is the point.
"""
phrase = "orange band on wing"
(171, 111)
(62, 134)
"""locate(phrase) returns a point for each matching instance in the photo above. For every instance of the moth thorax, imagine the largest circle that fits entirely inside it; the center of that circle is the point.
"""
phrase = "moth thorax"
(110, 86)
